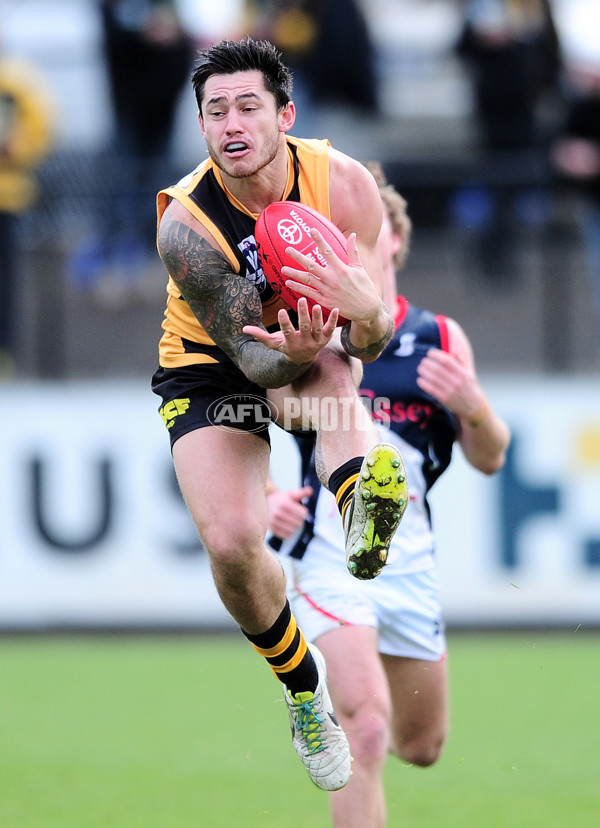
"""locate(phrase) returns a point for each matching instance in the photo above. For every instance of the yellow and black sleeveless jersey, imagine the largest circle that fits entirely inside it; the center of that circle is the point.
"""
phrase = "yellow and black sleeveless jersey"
(202, 192)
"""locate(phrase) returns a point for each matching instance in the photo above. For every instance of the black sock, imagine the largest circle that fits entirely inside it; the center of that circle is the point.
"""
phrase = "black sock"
(341, 483)
(285, 648)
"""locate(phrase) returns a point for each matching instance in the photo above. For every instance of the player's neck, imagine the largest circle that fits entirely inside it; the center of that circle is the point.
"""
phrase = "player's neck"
(256, 191)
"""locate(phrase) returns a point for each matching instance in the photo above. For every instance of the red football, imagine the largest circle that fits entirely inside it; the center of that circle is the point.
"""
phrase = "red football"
(288, 224)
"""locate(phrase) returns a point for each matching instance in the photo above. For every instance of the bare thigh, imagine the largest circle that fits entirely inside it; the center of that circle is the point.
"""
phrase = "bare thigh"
(326, 400)
(222, 478)
(333, 375)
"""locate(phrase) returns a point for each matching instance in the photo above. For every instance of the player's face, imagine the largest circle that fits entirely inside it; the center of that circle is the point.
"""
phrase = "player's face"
(240, 123)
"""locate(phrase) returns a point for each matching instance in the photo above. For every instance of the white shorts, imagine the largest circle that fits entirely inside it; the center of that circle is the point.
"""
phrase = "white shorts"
(403, 608)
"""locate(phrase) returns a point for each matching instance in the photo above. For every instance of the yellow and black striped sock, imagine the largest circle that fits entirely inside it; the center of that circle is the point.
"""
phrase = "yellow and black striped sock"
(342, 482)
(285, 648)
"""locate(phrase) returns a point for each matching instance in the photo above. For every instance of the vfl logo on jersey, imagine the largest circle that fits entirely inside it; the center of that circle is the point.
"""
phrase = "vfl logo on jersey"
(254, 272)
(407, 345)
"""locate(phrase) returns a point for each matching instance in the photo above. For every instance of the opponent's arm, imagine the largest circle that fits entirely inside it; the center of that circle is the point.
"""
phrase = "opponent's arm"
(224, 303)
(452, 379)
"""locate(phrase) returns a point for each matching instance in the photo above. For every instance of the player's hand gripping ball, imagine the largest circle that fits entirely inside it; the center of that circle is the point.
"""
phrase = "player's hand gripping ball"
(286, 224)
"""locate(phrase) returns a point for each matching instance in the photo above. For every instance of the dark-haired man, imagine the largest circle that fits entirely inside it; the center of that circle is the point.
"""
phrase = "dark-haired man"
(227, 335)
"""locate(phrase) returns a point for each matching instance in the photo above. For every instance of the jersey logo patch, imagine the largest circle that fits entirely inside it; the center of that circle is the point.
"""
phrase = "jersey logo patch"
(407, 345)
(254, 272)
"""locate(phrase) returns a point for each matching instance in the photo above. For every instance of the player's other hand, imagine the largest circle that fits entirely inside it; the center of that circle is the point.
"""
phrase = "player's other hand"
(287, 512)
(302, 344)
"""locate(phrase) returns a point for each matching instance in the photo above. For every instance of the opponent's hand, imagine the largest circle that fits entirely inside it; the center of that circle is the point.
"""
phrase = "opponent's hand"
(303, 344)
(450, 381)
(287, 513)
(338, 285)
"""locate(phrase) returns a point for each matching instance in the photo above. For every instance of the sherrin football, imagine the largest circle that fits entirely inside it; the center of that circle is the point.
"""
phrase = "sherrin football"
(288, 224)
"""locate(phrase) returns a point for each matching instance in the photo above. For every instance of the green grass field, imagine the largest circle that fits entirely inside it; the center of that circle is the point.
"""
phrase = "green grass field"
(175, 732)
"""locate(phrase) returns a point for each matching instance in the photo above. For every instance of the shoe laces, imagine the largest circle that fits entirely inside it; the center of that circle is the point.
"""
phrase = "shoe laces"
(308, 721)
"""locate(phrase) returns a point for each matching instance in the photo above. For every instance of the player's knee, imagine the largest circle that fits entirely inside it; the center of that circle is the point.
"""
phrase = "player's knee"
(369, 734)
(422, 751)
(233, 547)
(339, 371)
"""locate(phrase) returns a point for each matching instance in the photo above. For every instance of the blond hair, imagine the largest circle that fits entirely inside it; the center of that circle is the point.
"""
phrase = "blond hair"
(396, 207)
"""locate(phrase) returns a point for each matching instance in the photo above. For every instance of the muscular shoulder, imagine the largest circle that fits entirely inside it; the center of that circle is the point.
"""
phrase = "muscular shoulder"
(354, 196)
(190, 254)
(177, 213)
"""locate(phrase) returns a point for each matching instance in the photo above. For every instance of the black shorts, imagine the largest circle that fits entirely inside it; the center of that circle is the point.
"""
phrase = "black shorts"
(197, 396)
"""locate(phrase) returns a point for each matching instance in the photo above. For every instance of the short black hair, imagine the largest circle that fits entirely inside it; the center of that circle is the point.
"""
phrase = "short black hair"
(245, 55)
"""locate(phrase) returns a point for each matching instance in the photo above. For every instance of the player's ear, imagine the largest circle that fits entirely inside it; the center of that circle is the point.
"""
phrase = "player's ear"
(201, 121)
(287, 116)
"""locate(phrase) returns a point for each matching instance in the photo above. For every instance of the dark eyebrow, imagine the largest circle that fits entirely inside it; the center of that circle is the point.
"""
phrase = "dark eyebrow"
(243, 96)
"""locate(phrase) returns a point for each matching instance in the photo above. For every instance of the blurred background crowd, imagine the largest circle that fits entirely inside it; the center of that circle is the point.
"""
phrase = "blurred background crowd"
(484, 113)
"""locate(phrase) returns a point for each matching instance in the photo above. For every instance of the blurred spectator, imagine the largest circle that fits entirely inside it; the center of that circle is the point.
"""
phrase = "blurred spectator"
(149, 59)
(576, 152)
(344, 66)
(513, 54)
(511, 49)
(26, 118)
(328, 46)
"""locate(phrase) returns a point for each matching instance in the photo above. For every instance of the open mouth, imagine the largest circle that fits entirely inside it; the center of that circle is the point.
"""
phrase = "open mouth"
(236, 146)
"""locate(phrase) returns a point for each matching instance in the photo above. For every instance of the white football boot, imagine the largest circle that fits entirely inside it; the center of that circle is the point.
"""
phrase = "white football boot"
(316, 735)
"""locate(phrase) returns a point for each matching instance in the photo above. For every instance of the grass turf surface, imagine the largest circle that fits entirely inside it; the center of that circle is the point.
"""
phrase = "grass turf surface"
(175, 732)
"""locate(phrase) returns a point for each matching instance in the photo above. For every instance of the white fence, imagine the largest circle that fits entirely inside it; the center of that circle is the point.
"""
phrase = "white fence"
(94, 533)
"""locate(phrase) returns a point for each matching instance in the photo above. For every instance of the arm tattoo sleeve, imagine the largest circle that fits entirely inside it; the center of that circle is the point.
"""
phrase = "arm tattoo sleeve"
(372, 350)
(223, 303)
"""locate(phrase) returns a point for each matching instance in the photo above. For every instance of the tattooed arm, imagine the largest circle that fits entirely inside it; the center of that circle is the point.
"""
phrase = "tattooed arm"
(224, 303)
(371, 351)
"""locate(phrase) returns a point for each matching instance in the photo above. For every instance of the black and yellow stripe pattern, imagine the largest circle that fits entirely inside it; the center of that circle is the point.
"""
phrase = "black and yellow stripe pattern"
(342, 484)
(287, 654)
(344, 495)
(286, 651)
